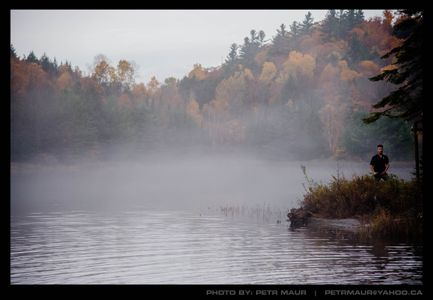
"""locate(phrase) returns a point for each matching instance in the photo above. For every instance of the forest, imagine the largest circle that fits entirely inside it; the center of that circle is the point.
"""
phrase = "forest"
(300, 94)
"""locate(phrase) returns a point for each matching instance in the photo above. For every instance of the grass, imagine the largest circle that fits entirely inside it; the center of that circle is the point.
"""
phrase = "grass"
(389, 209)
(262, 212)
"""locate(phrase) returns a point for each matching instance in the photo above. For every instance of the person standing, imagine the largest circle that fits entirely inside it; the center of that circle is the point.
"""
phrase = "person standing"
(379, 164)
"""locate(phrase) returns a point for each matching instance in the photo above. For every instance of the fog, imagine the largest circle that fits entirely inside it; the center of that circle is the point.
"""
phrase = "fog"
(172, 181)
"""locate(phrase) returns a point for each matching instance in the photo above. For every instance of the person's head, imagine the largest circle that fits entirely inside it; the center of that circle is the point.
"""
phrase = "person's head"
(380, 149)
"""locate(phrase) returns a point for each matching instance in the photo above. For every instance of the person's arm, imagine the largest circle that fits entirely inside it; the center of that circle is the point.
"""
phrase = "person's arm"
(372, 169)
(386, 165)
(386, 168)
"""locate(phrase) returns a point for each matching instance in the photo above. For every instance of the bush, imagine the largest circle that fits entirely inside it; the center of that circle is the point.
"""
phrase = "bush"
(391, 208)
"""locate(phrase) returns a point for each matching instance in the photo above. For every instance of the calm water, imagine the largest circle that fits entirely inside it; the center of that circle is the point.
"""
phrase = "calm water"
(184, 247)
(160, 221)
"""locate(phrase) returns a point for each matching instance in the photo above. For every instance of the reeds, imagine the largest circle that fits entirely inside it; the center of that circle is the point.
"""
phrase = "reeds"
(262, 212)
(389, 209)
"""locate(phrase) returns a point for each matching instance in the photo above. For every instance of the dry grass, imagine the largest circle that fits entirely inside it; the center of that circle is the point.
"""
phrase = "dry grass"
(389, 209)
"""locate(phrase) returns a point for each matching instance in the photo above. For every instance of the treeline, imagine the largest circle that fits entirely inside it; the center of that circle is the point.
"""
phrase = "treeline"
(301, 93)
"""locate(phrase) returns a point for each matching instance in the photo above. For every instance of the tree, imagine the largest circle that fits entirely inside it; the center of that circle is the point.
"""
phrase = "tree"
(249, 50)
(13, 52)
(330, 24)
(125, 74)
(31, 58)
(359, 16)
(261, 37)
(102, 71)
(307, 24)
(406, 72)
(48, 66)
(233, 54)
(294, 29)
(393, 133)
(280, 42)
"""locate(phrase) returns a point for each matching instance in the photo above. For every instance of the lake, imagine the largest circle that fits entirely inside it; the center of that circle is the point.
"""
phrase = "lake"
(207, 222)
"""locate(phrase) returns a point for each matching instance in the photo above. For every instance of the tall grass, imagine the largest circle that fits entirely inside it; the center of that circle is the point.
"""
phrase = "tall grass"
(389, 209)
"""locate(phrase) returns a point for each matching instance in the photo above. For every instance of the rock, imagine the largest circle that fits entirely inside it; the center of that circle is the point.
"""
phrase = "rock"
(298, 217)
(350, 224)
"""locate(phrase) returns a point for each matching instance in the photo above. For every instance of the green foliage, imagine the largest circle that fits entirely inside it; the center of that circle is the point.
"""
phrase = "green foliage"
(360, 139)
(13, 52)
(31, 58)
(406, 101)
(307, 25)
(338, 24)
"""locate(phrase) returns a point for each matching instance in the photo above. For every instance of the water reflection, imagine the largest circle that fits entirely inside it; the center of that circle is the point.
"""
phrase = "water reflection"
(174, 247)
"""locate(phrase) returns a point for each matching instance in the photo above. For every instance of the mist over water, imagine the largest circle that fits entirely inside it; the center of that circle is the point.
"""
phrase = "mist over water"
(172, 182)
(164, 218)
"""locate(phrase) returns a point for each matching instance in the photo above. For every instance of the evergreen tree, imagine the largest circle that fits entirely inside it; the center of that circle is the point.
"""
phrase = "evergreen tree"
(330, 24)
(359, 16)
(233, 54)
(406, 72)
(261, 37)
(280, 43)
(307, 24)
(31, 58)
(294, 29)
(13, 52)
(47, 65)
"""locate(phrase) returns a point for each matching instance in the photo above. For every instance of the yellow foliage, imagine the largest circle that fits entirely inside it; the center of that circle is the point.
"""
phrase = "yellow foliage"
(248, 74)
(125, 73)
(197, 72)
(299, 64)
(103, 72)
(261, 57)
(268, 72)
(193, 111)
(153, 84)
(346, 74)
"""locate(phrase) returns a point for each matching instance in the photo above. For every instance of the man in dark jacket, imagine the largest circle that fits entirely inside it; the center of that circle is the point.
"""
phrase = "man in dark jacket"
(379, 164)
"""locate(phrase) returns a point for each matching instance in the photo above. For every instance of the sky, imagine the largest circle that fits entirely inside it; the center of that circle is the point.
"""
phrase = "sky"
(162, 43)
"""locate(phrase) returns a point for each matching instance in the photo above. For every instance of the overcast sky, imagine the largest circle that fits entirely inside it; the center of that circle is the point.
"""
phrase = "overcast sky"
(162, 43)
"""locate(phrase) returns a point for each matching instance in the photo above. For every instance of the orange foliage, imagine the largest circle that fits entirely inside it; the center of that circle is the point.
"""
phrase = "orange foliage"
(64, 81)
(27, 78)
(139, 91)
(368, 68)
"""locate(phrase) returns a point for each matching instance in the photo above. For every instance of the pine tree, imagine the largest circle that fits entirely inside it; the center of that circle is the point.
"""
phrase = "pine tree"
(330, 25)
(13, 52)
(31, 58)
(307, 24)
(233, 54)
(280, 42)
(406, 101)
(261, 37)
(294, 29)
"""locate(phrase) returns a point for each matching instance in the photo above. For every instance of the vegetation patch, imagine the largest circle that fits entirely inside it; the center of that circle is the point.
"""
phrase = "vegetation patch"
(389, 209)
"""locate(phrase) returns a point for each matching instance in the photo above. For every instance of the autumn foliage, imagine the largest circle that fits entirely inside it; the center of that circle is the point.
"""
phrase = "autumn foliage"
(294, 93)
